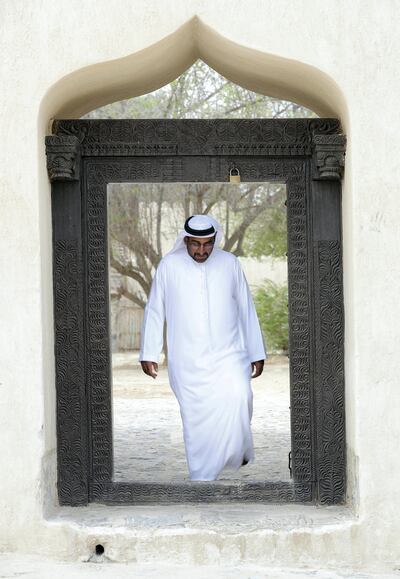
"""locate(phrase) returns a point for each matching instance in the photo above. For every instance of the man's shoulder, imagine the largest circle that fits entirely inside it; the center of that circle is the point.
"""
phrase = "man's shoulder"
(170, 259)
(227, 256)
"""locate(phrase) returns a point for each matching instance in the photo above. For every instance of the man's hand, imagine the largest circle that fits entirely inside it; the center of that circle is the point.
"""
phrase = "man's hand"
(257, 368)
(150, 368)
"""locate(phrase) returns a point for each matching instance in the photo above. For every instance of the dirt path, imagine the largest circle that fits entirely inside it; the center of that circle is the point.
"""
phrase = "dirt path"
(148, 443)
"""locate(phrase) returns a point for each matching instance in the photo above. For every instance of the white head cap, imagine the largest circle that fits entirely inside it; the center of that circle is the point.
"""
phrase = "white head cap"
(199, 226)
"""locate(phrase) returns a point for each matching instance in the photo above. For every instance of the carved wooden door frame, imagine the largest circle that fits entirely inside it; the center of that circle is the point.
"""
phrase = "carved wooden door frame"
(83, 156)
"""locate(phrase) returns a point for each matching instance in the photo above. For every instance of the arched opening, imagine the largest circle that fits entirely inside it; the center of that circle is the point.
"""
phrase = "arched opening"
(199, 26)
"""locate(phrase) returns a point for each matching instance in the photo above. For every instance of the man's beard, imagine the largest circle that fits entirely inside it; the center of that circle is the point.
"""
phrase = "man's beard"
(203, 257)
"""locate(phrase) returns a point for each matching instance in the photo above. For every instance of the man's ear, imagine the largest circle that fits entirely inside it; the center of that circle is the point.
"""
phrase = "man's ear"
(185, 239)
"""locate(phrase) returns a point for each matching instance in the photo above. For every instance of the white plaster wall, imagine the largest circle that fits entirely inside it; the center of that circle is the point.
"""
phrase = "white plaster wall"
(338, 57)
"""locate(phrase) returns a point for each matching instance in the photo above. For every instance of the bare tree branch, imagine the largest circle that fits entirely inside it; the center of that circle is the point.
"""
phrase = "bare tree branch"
(243, 106)
(131, 272)
(200, 103)
(130, 296)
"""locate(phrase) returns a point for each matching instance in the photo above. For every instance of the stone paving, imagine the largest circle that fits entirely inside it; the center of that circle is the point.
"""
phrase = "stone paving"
(31, 567)
(148, 442)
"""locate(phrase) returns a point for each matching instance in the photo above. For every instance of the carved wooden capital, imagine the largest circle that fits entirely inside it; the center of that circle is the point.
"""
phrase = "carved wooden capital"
(329, 151)
(63, 156)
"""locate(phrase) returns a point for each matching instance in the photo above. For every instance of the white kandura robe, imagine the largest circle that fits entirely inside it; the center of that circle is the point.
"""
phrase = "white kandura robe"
(213, 335)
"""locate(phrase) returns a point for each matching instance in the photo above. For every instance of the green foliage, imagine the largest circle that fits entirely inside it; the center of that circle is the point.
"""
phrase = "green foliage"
(268, 234)
(271, 304)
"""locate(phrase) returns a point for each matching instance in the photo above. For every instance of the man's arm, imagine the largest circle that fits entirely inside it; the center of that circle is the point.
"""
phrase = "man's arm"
(249, 322)
(153, 325)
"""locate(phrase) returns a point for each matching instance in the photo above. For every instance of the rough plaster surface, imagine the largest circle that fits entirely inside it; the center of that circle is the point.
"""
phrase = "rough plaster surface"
(211, 534)
(340, 58)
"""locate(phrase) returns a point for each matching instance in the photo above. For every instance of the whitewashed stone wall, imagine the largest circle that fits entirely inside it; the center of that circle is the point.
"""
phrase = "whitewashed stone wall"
(61, 59)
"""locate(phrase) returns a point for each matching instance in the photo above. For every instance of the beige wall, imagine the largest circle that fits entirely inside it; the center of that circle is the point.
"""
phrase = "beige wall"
(63, 58)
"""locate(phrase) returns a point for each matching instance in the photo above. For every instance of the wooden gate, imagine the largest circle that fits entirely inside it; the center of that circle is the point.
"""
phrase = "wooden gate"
(83, 156)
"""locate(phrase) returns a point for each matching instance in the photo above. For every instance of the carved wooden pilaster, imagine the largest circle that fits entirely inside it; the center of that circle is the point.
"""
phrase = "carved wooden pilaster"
(328, 388)
(63, 164)
(63, 157)
(329, 151)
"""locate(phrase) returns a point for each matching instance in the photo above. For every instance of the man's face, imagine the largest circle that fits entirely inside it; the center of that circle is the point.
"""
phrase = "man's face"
(199, 248)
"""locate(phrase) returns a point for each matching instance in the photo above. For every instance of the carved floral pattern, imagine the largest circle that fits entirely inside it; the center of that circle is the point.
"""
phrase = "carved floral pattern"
(147, 137)
(329, 391)
(69, 345)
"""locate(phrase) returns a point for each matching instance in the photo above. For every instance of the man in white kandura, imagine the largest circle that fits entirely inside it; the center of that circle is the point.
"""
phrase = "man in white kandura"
(215, 346)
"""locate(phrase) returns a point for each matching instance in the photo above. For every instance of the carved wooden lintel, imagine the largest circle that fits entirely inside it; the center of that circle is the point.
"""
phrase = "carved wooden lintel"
(188, 137)
(63, 157)
(329, 151)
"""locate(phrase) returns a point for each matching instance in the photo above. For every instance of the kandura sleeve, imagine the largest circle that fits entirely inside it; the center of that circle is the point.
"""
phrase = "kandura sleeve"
(151, 342)
(248, 317)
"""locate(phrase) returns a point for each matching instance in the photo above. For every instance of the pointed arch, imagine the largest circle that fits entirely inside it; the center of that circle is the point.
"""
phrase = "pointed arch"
(146, 70)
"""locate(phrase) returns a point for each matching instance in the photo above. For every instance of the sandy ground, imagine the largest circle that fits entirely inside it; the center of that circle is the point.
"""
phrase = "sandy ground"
(148, 443)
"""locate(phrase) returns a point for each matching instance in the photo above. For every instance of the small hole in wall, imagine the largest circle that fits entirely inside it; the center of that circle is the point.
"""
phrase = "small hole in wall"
(99, 549)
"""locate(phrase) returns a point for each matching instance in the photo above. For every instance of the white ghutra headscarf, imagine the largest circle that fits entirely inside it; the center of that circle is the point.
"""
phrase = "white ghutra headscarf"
(199, 226)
